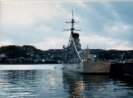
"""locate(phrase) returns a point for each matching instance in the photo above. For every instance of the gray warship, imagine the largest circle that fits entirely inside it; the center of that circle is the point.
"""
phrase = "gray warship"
(80, 60)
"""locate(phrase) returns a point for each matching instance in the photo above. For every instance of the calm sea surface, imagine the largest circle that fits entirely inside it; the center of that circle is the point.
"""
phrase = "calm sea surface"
(50, 81)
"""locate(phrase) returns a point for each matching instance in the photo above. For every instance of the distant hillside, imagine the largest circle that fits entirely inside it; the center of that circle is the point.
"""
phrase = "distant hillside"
(112, 54)
(30, 54)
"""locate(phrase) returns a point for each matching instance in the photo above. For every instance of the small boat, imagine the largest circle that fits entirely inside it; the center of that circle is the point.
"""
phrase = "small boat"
(80, 60)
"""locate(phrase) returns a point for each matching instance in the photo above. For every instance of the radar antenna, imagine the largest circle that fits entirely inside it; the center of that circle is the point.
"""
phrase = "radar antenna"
(72, 29)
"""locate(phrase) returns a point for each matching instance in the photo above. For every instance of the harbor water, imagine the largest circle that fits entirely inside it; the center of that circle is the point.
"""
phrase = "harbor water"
(51, 81)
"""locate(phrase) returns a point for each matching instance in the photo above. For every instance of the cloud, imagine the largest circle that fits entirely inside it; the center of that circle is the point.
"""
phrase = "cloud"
(106, 43)
(27, 13)
(51, 43)
(103, 25)
(124, 10)
(6, 42)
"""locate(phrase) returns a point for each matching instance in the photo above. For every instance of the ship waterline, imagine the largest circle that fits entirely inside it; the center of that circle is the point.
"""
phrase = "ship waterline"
(89, 67)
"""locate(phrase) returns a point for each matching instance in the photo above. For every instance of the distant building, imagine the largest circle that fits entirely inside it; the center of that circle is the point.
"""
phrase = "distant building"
(2, 57)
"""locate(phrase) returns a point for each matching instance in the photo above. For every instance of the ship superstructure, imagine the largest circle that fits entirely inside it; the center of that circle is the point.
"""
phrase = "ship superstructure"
(76, 59)
(73, 49)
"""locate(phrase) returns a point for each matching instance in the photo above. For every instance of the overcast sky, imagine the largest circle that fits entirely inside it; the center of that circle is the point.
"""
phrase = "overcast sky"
(104, 25)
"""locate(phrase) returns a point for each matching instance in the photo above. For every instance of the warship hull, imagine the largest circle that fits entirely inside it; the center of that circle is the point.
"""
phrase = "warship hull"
(89, 67)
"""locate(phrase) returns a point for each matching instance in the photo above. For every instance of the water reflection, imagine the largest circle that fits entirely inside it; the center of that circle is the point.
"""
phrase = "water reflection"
(32, 83)
(18, 83)
(57, 84)
(78, 83)
(95, 86)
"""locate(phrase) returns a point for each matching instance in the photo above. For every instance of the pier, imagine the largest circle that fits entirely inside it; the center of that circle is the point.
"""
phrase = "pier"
(121, 69)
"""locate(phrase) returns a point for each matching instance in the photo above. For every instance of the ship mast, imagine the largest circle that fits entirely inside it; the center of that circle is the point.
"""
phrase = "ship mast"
(72, 22)
(73, 43)
(72, 29)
